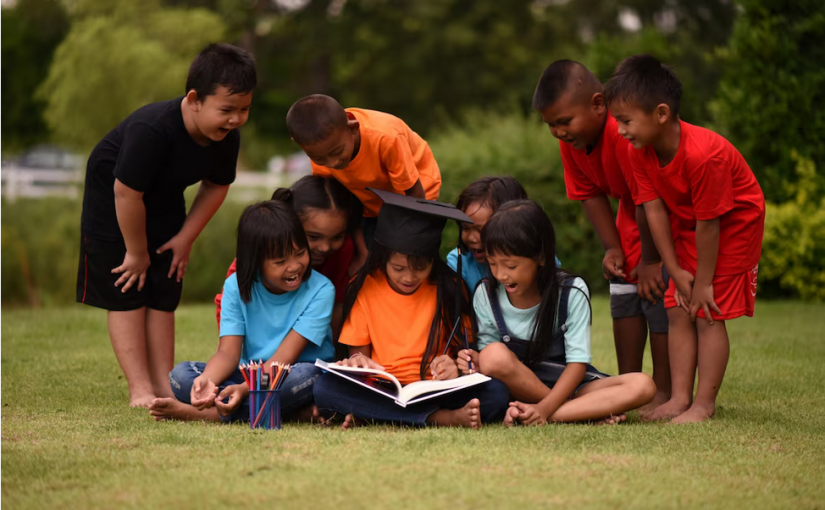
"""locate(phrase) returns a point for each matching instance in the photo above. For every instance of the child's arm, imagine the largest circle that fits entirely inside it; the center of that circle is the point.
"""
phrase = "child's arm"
(651, 285)
(361, 252)
(416, 191)
(443, 367)
(219, 367)
(600, 214)
(707, 250)
(131, 217)
(208, 200)
(539, 414)
(659, 223)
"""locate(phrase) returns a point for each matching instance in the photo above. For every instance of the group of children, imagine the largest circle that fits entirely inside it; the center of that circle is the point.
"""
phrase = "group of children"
(344, 266)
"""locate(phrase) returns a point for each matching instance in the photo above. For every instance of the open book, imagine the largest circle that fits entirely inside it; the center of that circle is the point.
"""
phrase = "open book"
(386, 384)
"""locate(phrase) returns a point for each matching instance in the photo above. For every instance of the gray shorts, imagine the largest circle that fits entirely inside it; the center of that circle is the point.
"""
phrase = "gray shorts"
(626, 302)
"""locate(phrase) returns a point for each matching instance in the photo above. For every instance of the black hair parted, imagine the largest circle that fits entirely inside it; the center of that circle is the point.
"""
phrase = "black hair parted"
(521, 228)
(446, 282)
(266, 230)
(643, 81)
(314, 118)
(224, 65)
(322, 193)
(491, 192)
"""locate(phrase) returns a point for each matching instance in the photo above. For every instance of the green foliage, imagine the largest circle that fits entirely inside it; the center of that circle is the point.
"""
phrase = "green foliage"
(32, 29)
(490, 144)
(770, 98)
(117, 57)
(793, 249)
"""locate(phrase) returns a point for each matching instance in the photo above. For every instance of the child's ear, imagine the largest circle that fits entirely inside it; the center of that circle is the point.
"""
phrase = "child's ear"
(353, 124)
(193, 100)
(597, 102)
(663, 113)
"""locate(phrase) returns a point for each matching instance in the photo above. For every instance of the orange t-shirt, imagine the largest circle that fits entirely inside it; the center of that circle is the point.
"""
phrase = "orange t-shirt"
(392, 157)
(396, 326)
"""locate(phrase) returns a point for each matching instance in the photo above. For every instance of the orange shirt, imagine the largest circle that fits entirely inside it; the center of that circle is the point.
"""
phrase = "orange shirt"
(396, 326)
(392, 157)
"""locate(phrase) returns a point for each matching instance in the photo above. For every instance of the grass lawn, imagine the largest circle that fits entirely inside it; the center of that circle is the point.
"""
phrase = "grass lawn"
(69, 439)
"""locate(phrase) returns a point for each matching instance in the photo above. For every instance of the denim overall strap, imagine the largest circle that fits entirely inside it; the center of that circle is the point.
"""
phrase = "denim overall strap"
(496, 308)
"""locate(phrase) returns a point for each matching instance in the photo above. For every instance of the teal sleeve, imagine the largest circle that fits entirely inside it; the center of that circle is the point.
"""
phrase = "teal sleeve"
(232, 318)
(487, 330)
(313, 323)
(577, 336)
(452, 259)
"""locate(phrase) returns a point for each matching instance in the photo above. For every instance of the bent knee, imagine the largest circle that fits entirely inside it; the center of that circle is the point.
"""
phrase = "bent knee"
(497, 360)
(643, 386)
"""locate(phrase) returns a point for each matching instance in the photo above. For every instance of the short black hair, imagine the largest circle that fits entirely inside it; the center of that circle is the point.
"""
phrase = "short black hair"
(322, 193)
(642, 80)
(222, 65)
(266, 230)
(314, 118)
(556, 80)
(491, 192)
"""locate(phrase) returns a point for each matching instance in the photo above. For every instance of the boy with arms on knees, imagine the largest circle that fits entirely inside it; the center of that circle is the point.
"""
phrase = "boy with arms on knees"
(717, 216)
(570, 100)
(135, 233)
(364, 148)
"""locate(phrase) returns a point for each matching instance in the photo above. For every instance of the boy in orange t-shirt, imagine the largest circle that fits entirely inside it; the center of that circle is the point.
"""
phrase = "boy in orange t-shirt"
(364, 148)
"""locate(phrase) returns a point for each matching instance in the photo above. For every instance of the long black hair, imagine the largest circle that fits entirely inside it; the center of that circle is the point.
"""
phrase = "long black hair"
(490, 192)
(321, 193)
(521, 228)
(266, 230)
(446, 282)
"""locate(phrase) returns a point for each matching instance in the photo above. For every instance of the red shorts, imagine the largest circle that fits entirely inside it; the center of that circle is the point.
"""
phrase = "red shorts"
(734, 295)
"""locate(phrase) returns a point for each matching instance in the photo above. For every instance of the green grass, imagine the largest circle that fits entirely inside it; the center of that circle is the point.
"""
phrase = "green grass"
(69, 439)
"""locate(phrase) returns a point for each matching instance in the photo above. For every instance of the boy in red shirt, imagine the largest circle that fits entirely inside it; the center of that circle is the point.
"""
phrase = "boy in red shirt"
(360, 149)
(570, 100)
(712, 241)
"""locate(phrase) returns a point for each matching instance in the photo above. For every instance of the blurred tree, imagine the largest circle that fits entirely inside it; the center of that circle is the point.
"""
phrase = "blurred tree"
(117, 57)
(770, 98)
(32, 29)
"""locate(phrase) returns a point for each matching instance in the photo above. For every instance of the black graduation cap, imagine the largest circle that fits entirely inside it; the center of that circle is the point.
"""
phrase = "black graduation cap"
(413, 225)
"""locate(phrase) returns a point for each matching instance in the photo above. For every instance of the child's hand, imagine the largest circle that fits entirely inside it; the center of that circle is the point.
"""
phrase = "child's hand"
(465, 356)
(613, 264)
(134, 270)
(235, 393)
(443, 367)
(203, 393)
(702, 299)
(684, 285)
(181, 247)
(526, 414)
(650, 286)
(359, 361)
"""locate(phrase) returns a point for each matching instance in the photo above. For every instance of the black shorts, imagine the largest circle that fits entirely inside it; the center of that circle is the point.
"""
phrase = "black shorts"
(96, 282)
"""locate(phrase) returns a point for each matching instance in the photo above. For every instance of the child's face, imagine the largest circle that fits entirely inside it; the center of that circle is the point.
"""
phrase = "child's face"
(471, 233)
(326, 230)
(577, 122)
(637, 126)
(517, 274)
(219, 113)
(336, 151)
(402, 278)
(285, 274)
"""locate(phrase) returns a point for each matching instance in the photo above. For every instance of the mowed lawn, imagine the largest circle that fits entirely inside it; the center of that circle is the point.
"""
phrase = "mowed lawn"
(69, 439)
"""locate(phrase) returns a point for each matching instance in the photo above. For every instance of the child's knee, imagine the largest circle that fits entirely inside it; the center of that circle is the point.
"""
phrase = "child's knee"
(497, 360)
(643, 385)
(181, 378)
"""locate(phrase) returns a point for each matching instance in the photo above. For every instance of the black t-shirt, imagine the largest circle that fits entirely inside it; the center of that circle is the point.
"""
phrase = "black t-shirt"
(152, 152)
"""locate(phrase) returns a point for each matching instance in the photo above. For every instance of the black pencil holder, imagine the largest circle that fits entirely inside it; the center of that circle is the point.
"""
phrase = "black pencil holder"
(265, 409)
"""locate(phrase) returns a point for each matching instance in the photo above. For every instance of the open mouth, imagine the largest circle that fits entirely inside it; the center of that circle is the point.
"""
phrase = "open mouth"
(510, 287)
(292, 281)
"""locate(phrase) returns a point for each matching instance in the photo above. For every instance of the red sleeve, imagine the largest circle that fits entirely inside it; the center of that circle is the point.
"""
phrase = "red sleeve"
(640, 187)
(232, 268)
(579, 186)
(397, 157)
(711, 186)
(336, 266)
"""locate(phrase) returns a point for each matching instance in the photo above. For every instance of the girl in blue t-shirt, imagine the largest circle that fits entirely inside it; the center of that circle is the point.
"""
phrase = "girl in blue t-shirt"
(479, 201)
(545, 365)
(275, 308)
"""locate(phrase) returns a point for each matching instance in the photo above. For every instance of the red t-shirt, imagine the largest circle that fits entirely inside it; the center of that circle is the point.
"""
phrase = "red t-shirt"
(606, 170)
(334, 268)
(707, 179)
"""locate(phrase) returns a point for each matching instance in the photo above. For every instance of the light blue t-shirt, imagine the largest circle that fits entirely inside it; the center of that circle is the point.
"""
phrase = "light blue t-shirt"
(520, 322)
(471, 271)
(265, 321)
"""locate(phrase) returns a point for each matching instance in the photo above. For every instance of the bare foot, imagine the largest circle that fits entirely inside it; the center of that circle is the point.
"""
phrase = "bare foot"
(696, 414)
(163, 409)
(350, 422)
(143, 400)
(468, 416)
(659, 399)
(308, 414)
(511, 417)
(611, 420)
(667, 411)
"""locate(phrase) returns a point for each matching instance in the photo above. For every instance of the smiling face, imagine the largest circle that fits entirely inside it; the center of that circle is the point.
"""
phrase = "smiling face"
(326, 230)
(336, 151)
(519, 276)
(471, 232)
(403, 278)
(217, 114)
(575, 120)
(285, 274)
(637, 126)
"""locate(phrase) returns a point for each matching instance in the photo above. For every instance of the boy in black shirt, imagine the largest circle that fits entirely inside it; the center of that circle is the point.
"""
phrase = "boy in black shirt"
(135, 233)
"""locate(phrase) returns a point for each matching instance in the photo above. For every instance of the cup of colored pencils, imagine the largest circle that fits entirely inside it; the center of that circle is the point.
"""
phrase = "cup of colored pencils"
(265, 393)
